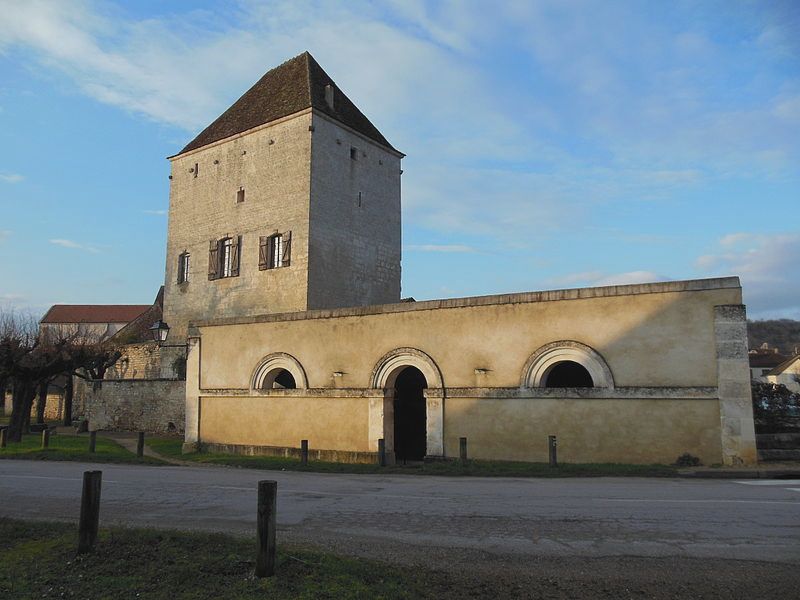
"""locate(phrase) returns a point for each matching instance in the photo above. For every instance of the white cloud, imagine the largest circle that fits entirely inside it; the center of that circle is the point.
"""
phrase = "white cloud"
(155, 212)
(440, 248)
(74, 245)
(769, 268)
(11, 177)
(413, 69)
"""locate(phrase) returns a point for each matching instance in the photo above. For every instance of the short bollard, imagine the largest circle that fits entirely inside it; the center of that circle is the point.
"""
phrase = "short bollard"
(140, 445)
(90, 511)
(265, 557)
(45, 438)
(3, 437)
(92, 441)
(552, 448)
(382, 452)
(304, 452)
(462, 449)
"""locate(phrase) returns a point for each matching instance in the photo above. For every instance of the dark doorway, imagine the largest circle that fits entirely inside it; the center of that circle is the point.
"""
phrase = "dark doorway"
(410, 436)
(568, 374)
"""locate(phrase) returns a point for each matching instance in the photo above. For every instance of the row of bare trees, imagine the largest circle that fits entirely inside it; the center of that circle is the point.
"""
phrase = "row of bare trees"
(31, 358)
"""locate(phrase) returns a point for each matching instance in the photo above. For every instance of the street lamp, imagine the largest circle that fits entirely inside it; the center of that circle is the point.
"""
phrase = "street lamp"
(160, 331)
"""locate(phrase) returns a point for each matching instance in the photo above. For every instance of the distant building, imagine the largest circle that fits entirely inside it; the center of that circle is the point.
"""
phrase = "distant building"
(99, 321)
(762, 360)
(787, 373)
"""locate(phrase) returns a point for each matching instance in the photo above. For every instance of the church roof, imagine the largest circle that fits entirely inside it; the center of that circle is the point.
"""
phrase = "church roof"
(297, 84)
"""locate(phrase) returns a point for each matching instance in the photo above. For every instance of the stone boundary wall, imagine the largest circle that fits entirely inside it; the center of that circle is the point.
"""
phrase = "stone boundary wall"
(342, 456)
(154, 406)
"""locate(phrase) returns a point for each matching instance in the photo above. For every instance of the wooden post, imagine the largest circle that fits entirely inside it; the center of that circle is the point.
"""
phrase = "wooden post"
(3, 437)
(382, 452)
(265, 558)
(304, 452)
(140, 445)
(462, 449)
(92, 440)
(551, 446)
(45, 438)
(90, 511)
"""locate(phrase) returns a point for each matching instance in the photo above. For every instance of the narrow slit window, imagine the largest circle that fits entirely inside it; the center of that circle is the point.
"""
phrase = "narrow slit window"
(183, 267)
(353, 152)
(196, 169)
(240, 195)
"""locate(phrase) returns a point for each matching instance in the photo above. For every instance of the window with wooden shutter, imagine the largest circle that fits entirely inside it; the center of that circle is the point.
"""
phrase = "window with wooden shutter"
(287, 249)
(235, 246)
(213, 260)
(263, 252)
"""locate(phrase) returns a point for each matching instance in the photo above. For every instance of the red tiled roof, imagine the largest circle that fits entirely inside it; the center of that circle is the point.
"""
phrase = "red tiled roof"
(94, 313)
(297, 84)
(766, 360)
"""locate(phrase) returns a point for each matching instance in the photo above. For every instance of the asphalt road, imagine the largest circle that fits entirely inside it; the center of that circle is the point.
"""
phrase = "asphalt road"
(600, 517)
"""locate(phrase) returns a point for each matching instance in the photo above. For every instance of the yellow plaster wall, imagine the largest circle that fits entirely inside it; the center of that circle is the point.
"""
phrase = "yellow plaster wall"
(598, 430)
(327, 423)
(658, 339)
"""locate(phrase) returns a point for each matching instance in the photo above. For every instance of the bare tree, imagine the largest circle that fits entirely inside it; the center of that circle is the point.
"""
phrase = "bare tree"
(29, 358)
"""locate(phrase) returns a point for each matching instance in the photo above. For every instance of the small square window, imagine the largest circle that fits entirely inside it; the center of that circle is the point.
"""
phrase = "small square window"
(240, 195)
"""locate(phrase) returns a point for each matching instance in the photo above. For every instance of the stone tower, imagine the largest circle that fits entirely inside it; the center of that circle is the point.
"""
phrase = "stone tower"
(289, 201)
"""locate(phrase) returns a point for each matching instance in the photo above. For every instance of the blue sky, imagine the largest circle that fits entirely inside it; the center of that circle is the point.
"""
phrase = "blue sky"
(550, 144)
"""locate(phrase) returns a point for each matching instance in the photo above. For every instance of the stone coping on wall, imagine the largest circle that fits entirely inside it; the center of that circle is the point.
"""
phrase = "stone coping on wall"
(619, 393)
(690, 285)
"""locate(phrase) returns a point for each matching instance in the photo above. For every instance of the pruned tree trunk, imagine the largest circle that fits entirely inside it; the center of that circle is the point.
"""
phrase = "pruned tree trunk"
(41, 405)
(69, 391)
(24, 393)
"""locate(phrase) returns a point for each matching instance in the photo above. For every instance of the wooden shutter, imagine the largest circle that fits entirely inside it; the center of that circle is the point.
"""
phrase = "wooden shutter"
(263, 253)
(287, 249)
(180, 268)
(213, 260)
(236, 244)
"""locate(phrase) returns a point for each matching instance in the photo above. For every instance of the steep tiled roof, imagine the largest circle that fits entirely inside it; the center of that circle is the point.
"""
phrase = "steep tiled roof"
(297, 84)
(93, 313)
(784, 365)
(766, 360)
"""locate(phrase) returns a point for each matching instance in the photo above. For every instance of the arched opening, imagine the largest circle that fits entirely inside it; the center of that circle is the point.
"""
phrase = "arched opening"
(568, 374)
(279, 371)
(410, 415)
(278, 379)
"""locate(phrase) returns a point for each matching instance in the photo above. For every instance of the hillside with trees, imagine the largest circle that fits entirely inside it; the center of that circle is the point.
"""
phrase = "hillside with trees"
(778, 333)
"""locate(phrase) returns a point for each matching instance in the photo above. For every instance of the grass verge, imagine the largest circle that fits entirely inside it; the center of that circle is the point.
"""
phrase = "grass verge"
(73, 447)
(476, 468)
(37, 560)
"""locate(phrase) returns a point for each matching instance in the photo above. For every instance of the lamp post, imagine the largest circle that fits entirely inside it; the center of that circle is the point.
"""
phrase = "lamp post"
(160, 331)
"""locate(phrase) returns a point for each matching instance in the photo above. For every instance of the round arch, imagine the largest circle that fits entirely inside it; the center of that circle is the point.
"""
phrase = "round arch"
(548, 356)
(389, 366)
(269, 365)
